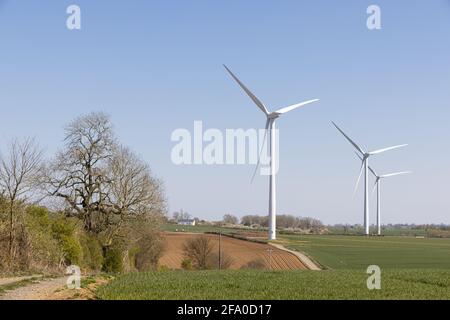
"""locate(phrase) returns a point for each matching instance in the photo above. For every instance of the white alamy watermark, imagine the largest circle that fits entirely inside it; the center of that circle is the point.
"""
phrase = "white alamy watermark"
(73, 21)
(374, 20)
(229, 147)
(374, 280)
(74, 279)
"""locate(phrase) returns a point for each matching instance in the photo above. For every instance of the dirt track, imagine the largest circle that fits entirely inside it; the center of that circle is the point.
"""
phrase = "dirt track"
(9, 280)
(241, 252)
(43, 290)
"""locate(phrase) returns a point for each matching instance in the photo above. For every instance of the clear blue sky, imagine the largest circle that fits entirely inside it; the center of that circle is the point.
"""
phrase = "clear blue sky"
(155, 66)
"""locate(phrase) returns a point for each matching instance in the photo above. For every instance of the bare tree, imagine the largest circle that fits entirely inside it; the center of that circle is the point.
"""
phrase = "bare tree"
(102, 183)
(20, 170)
(225, 260)
(230, 219)
(249, 220)
(150, 249)
(133, 193)
(198, 250)
(77, 173)
(257, 263)
(181, 215)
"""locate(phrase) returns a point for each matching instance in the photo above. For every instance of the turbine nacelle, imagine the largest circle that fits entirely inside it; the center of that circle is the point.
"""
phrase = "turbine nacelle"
(273, 115)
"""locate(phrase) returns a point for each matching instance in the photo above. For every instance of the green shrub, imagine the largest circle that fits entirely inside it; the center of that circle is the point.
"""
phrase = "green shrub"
(163, 268)
(39, 215)
(92, 252)
(186, 264)
(113, 262)
(65, 231)
(255, 264)
(42, 249)
(149, 250)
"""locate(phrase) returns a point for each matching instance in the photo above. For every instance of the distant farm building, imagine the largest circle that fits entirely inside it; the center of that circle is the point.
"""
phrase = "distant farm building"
(187, 222)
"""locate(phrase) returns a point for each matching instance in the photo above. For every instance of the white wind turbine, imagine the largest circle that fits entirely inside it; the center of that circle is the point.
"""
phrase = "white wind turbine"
(377, 185)
(270, 124)
(365, 165)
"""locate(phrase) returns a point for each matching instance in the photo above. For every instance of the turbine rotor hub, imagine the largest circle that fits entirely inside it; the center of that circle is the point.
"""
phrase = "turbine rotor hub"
(273, 115)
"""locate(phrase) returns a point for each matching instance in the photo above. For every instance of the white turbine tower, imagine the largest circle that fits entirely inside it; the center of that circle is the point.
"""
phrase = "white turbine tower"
(377, 185)
(365, 165)
(270, 124)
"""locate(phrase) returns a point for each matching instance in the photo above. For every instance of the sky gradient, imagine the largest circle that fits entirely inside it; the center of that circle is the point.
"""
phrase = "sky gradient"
(155, 66)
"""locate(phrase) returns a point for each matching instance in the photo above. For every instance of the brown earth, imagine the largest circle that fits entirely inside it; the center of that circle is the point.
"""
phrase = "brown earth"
(241, 252)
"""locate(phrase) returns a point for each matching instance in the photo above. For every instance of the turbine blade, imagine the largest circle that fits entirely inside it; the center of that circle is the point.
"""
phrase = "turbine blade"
(386, 149)
(260, 152)
(295, 106)
(249, 93)
(395, 174)
(359, 178)
(350, 140)
(374, 187)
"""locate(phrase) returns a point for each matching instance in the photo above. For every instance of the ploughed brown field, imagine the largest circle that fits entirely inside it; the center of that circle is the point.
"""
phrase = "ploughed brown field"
(241, 252)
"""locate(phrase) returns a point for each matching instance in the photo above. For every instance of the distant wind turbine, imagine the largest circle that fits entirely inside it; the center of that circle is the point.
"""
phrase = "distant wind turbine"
(377, 185)
(270, 125)
(365, 165)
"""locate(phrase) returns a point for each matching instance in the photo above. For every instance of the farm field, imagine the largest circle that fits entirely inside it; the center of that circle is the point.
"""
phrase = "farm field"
(257, 284)
(357, 252)
(240, 251)
(411, 268)
(169, 227)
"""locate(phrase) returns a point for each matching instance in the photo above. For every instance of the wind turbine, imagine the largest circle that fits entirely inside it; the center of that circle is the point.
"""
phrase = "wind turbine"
(364, 166)
(377, 185)
(270, 125)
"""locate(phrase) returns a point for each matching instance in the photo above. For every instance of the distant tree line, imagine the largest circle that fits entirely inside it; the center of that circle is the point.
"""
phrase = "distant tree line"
(284, 222)
(181, 215)
(230, 219)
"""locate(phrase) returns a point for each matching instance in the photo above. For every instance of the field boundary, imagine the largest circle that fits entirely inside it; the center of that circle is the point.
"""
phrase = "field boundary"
(310, 264)
(239, 237)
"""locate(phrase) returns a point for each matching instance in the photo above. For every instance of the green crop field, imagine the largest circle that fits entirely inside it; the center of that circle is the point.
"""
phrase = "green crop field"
(358, 252)
(411, 268)
(255, 284)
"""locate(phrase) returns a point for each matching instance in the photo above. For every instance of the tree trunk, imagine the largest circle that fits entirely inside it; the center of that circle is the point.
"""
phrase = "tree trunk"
(11, 234)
